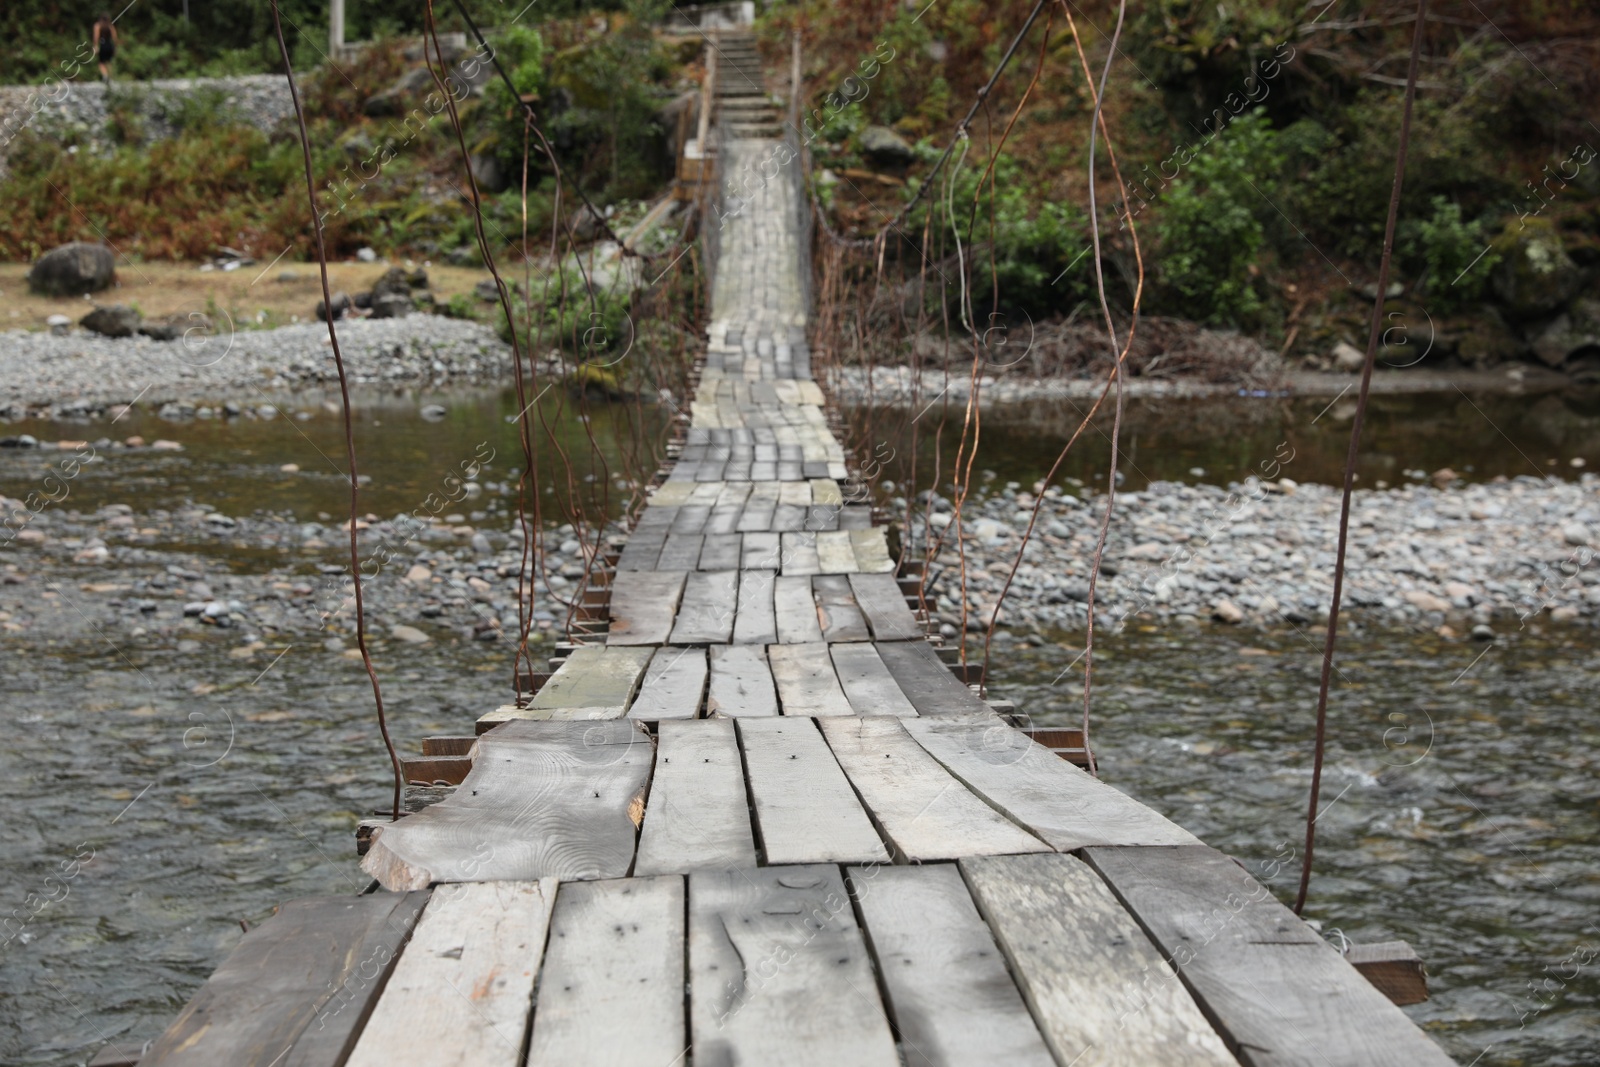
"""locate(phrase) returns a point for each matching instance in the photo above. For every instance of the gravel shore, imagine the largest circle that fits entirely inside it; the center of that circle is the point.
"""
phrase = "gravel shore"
(1478, 559)
(45, 375)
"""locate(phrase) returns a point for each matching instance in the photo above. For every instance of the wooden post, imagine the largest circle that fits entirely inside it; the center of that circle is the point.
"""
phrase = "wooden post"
(335, 28)
(794, 82)
(707, 100)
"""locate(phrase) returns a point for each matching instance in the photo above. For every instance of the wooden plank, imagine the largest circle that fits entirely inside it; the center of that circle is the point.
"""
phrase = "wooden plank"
(1277, 991)
(706, 613)
(822, 517)
(794, 494)
(871, 547)
(430, 769)
(855, 517)
(924, 812)
(691, 518)
(800, 553)
(611, 991)
(837, 612)
(779, 974)
(741, 682)
(880, 600)
(806, 681)
(672, 494)
(1393, 968)
(642, 550)
(755, 623)
(762, 551)
(954, 1004)
(698, 814)
(1062, 804)
(724, 518)
(834, 552)
(443, 745)
(806, 811)
(867, 683)
(643, 604)
(511, 713)
(1099, 990)
(461, 993)
(825, 491)
(681, 552)
(927, 683)
(721, 552)
(789, 516)
(296, 989)
(544, 799)
(796, 610)
(673, 686)
(595, 676)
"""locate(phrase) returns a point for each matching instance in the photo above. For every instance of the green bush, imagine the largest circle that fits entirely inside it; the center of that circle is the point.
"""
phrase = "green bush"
(1442, 246)
(1209, 227)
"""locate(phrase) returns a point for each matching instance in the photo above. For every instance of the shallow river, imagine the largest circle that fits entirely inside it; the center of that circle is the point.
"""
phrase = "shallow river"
(157, 799)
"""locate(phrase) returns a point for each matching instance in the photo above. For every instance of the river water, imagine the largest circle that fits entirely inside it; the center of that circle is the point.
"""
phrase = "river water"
(158, 798)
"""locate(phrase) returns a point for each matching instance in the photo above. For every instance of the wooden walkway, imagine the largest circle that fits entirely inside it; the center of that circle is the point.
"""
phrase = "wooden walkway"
(760, 822)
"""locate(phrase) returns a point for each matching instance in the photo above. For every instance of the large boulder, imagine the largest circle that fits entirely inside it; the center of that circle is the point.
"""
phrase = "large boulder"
(118, 320)
(73, 269)
(885, 148)
(341, 304)
(391, 305)
(1535, 275)
(395, 282)
(1570, 333)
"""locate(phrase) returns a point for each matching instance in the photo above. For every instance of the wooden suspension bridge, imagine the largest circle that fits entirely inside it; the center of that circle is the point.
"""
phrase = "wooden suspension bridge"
(752, 817)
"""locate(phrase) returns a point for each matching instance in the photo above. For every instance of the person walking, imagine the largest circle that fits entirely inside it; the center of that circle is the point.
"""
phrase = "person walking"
(105, 45)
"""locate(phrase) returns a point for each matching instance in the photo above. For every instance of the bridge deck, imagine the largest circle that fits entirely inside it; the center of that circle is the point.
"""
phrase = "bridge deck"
(763, 823)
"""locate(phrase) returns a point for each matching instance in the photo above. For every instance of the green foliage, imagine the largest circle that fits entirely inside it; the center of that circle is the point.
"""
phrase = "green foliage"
(1209, 229)
(1442, 246)
(590, 321)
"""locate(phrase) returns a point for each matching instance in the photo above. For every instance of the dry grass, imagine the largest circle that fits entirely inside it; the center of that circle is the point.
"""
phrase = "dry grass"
(162, 289)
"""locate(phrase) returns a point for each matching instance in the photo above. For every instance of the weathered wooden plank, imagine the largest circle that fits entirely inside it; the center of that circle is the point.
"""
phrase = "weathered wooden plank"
(796, 610)
(1277, 991)
(511, 713)
(761, 551)
(724, 518)
(837, 612)
(755, 623)
(595, 676)
(642, 550)
(806, 681)
(882, 602)
(794, 494)
(461, 993)
(953, 1002)
(871, 547)
(779, 974)
(1100, 991)
(672, 494)
(709, 491)
(758, 509)
(643, 604)
(825, 491)
(673, 686)
(822, 517)
(721, 552)
(855, 517)
(681, 552)
(835, 553)
(611, 991)
(1393, 968)
(544, 799)
(867, 683)
(705, 616)
(691, 518)
(806, 811)
(1062, 804)
(741, 682)
(800, 553)
(924, 812)
(430, 769)
(297, 989)
(448, 745)
(789, 516)
(926, 682)
(698, 814)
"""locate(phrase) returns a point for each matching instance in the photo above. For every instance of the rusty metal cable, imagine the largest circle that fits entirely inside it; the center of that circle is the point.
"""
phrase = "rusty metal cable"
(344, 396)
(1373, 334)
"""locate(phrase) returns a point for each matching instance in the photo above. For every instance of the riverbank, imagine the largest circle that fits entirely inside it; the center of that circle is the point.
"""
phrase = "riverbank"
(1463, 560)
(902, 387)
(44, 376)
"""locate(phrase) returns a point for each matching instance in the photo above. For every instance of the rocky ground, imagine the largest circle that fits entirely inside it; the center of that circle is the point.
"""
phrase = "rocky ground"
(45, 375)
(183, 577)
(1462, 559)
